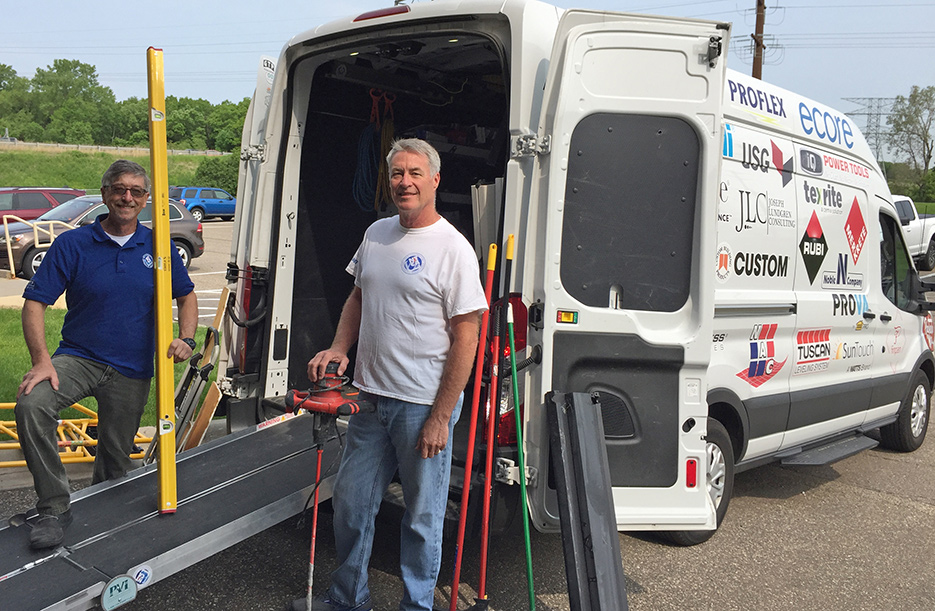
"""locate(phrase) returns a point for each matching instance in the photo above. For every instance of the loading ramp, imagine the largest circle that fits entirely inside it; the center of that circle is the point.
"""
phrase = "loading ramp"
(228, 490)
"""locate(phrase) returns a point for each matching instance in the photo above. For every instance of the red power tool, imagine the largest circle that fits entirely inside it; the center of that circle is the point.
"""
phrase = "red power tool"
(332, 396)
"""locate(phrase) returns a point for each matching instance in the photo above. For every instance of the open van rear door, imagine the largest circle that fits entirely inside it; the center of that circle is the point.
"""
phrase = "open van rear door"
(625, 266)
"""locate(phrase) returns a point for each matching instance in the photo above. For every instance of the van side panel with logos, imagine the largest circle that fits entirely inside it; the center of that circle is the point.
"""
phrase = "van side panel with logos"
(716, 258)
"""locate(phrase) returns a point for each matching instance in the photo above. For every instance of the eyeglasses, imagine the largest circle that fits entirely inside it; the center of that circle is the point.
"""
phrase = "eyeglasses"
(119, 190)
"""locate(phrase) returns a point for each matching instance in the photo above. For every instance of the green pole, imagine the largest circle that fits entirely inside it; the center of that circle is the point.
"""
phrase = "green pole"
(520, 451)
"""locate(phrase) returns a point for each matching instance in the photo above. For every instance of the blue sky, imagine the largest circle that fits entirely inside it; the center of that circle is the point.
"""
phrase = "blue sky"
(823, 49)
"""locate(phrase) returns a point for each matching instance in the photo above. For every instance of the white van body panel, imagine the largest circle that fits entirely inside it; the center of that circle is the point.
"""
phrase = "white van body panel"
(730, 269)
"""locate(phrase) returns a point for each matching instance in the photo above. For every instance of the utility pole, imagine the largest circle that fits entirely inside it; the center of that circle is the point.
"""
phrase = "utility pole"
(758, 46)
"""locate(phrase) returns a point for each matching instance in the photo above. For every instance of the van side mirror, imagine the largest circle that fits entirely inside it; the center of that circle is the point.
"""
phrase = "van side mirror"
(920, 302)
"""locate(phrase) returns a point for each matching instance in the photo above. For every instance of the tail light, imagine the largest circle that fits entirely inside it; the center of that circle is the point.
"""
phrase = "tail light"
(506, 430)
(199, 229)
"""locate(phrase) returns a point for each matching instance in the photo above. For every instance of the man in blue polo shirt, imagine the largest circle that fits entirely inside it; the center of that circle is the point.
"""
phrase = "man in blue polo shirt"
(108, 342)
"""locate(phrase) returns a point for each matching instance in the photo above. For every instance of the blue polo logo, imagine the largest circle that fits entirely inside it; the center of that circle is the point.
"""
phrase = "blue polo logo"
(148, 260)
(413, 263)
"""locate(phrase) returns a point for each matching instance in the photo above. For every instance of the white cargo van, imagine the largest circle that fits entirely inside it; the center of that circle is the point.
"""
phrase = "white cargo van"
(719, 259)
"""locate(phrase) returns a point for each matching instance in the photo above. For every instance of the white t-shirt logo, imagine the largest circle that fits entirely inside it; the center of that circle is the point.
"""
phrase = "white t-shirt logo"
(413, 263)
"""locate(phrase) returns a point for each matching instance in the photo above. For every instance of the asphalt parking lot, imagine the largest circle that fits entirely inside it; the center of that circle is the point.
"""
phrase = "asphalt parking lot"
(856, 535)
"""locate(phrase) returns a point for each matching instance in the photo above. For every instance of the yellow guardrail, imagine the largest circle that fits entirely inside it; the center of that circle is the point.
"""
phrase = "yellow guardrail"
(37, 228)
(72, 435)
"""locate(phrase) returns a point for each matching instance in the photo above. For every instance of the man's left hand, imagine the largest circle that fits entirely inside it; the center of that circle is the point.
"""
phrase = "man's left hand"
(179, 351)
(434, 436)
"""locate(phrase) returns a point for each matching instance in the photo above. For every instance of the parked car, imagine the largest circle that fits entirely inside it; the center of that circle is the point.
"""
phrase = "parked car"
(29, 202)
(919, 230)
(204, 202)
(186, 232)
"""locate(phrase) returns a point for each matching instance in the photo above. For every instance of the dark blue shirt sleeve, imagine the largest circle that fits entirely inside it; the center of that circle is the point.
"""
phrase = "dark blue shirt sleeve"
(181, 283)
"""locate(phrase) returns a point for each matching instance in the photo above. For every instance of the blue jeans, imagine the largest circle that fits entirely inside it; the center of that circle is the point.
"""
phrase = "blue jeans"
(120, 404)
(377, 445)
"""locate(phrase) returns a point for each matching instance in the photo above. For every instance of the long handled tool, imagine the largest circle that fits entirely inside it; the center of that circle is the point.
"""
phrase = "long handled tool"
(493, 416)
(475, 400)
(520, 452)
(326, 402)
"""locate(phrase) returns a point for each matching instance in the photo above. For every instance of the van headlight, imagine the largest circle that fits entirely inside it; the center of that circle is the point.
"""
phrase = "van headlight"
(14, 239)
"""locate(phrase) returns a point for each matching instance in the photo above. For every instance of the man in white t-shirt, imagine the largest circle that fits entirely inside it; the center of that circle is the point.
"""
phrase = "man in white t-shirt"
(415, 315)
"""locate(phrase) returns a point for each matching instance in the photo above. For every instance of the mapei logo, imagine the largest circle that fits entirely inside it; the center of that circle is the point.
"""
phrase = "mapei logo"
(813, 247)
(856, 230)
(849, 305)
(812, 351)
(414, 263)
(763, 365)
(727, 147)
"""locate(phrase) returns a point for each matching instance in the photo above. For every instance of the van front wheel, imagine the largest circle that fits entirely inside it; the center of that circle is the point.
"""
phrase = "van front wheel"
(908, 432)
(719, 480)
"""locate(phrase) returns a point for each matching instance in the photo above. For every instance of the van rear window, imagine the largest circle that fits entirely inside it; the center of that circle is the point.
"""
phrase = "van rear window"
(627, 230)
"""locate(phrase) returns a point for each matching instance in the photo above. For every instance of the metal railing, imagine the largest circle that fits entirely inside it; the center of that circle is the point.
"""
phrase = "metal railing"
(73, 437)
(43, 227)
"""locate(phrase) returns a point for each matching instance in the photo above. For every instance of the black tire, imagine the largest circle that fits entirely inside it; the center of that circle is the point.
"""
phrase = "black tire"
(908, 432)
(719, 480)
(185, 251)
(929, 259)
(198, 213)
(31, 262)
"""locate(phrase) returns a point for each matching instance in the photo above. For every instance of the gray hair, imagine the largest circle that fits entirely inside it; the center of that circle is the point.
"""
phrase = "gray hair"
(419, 147)
(121, 167)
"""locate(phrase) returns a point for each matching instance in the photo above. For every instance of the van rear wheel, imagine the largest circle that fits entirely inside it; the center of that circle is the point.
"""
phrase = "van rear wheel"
(908, 432)
(719, 480)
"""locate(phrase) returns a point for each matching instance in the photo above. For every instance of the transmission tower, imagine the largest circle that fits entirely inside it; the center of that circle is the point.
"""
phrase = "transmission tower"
(873, 109)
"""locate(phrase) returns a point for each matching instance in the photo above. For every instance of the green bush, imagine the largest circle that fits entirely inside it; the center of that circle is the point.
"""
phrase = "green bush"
(218, 172)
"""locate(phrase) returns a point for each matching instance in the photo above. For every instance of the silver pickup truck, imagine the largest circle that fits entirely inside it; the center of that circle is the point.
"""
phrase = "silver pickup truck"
(919, 230)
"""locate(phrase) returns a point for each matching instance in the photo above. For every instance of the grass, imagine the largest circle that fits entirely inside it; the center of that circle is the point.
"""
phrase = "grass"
(925, 208)
(80, 170)
(14, 361)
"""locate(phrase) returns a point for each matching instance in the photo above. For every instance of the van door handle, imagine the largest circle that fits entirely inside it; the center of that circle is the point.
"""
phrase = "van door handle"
(886, 317)
(870, 315)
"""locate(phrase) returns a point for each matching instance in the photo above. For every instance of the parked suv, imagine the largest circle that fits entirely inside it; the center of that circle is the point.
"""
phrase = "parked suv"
(185, 231)
(29, 202)
(204, 202)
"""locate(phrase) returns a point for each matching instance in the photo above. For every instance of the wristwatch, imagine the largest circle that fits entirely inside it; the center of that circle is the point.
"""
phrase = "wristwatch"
(191, 342)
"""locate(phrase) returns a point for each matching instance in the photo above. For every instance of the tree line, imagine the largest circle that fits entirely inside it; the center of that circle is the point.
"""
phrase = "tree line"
(911, 122)
(66, 104)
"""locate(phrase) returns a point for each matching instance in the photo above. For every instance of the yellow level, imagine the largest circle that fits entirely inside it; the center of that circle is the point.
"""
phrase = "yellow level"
(162, 253)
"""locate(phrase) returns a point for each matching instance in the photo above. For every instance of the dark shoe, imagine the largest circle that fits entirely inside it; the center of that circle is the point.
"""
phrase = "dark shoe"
(49, 531)
(323, 602)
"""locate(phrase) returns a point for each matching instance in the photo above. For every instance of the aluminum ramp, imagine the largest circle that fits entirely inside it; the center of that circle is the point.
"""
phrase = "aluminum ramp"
(228, 490)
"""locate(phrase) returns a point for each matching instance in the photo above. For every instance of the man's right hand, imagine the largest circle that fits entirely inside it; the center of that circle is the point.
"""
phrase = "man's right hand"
(319, 362)
(43, 371)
